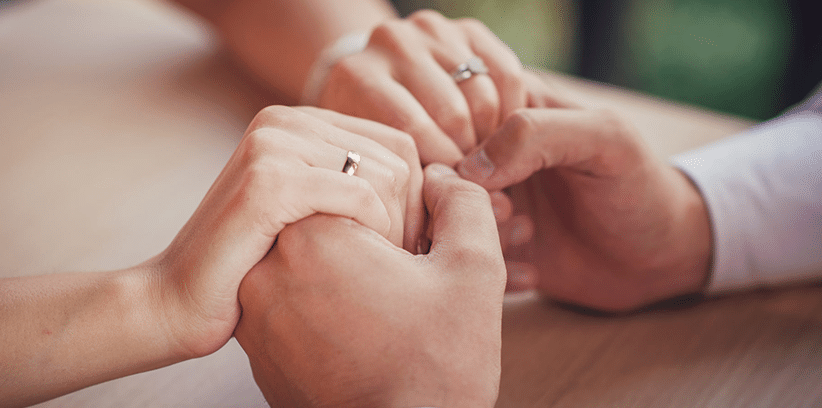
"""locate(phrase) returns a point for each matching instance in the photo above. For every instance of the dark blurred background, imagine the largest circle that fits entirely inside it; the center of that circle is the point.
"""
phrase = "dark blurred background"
(751, 58)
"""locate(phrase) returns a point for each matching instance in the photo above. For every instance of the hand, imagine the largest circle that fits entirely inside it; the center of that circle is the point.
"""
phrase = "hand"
(287, 167)
(615, 228)
(403, 79)
(515, 230)
(337, 316)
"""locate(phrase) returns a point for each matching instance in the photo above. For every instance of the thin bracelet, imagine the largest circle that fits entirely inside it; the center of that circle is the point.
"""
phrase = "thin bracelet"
(346, 45)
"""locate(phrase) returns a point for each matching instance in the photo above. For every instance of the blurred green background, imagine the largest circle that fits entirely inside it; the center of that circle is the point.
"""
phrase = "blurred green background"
(750, 58)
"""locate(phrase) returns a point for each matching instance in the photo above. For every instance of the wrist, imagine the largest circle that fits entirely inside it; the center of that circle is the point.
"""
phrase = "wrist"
(691, 241)
(344, 46)
(699, 258)
(168, 312)
(148, 292)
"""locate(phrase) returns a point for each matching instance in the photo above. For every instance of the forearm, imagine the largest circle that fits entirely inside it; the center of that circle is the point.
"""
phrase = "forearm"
(64, 332)
(279, 40)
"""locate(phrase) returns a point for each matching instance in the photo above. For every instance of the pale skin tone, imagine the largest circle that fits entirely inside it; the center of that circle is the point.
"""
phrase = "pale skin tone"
(402, 78)
(86, 328)
(278, 41)
(380, 327)
(622, 229)
(614, 227)
(75, 330)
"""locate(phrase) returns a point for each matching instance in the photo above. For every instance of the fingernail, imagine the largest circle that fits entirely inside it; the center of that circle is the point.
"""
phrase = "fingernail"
(441, 169)
(476, 167)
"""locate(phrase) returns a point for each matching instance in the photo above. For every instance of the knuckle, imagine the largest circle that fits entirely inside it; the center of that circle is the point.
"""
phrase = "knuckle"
(609, 120)
(427, 15)
(402, 173)
(473, 25)
(417, 127)
(271, 116)
(520, 126)
(388, 180)
(427, 19)
(455, 119)
(392, 35)
(364, 194)
(512, 73)
(345, 68)
(391, 181)
(405, 147)
(615, 128)
(395, 166)
(487, 109)
(257, 144)
(624, 143)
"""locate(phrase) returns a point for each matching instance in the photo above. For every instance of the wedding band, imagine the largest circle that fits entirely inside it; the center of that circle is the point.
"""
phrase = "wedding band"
(352, 161)
(474, 66)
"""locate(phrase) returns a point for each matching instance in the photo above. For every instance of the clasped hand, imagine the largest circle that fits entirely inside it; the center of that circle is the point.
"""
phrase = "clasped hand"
(338, 298)
(614, 228)
(287, 167)
(350, 307)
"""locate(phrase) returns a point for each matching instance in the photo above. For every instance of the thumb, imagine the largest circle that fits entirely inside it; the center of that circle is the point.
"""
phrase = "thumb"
(464, 231)
(534, 139)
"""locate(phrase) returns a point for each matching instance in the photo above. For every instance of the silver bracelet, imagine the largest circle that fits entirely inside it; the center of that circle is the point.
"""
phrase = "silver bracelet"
(346, 45)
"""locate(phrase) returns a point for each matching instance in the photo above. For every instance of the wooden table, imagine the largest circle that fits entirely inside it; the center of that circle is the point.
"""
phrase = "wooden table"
(116, 116)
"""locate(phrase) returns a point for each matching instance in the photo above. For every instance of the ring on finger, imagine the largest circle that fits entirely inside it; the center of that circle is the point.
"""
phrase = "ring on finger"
(473, 66)
(352, 162)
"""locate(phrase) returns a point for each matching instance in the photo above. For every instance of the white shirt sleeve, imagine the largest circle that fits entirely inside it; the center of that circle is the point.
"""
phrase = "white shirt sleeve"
(763, 190)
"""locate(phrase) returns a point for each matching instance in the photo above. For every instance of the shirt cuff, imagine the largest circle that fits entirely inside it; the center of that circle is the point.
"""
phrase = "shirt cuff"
(763, 191)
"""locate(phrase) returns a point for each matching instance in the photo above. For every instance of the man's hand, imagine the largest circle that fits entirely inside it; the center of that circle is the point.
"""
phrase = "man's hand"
(336, 315)
(615, 228)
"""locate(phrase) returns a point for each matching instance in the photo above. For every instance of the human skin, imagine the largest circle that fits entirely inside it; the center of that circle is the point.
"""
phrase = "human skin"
(614, 228)
(402, 78)
(338, 316)
(277, 41)
(67, 331)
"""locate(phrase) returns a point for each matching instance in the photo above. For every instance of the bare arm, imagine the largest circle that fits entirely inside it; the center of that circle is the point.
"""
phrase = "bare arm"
(64, 332)
(279, 40)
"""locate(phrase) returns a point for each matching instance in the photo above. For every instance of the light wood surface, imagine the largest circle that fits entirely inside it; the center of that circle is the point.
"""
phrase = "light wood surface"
(116, 116)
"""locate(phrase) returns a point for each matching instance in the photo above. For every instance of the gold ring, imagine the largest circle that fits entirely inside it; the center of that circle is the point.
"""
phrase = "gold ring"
(352, 161)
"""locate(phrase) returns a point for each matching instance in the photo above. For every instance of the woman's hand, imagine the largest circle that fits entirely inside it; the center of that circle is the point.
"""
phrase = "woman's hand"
(403, 79)
(338, 316)
(74, 330)
(614, 227)
(287, 167)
